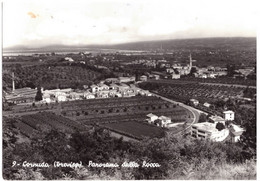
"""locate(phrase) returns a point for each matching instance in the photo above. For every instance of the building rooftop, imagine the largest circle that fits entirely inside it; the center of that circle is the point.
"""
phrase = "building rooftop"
(206, 126)
(164, 118)
(216, 118)
(236, 130)
(228, 112)
(151, 115)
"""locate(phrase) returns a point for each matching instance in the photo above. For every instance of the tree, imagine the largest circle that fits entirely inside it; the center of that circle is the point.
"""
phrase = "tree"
(230, 70)
(192, 71)
(220, 126)
(203, 118)
(38, 96)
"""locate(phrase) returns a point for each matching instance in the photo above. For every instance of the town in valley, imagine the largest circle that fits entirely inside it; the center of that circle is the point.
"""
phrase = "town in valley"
(129, 90)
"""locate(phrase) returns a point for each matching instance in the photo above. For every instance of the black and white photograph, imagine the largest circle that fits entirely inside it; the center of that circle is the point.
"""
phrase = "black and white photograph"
(129, 89)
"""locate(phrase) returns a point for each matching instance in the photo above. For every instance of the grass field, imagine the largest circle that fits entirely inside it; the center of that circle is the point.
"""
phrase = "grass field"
(135, 129)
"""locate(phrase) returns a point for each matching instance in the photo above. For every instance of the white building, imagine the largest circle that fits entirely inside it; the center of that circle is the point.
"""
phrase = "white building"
(89, 95)
(194, 102)
(175, 76)
(235, 132)
(217, 119)
(151, 118)
(46, 98)
(229, 115)
(94, 88)
(208, 130)
(69, 59)
(206, 104)
(165, 121)
(61, 98)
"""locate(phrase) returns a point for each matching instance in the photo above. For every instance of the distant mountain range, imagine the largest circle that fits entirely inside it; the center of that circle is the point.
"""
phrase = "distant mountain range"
(234, 43)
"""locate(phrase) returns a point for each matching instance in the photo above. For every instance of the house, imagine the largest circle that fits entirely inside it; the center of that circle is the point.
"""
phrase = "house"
(208, 130)
(113, 86)
(143, 78)
(194, 102)
(94, 88)
(76, 95)
(169, 70)
(46, 98)
(154, 76)
(89, 95)
(123, 87)
(151, 117)
(69, 59)
(128, 94)
(235, 132)
(118, 95)
(61, 98)
(175, 76)
(206, 104)
(165, 121)
(103, 86)
(102, 94)
(112, 93)
(136, 90)
(229, 115)
(203, 76)
(217, 119)
(144, 93)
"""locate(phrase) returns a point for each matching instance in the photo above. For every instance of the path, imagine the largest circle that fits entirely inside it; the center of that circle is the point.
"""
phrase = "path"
(196, 112)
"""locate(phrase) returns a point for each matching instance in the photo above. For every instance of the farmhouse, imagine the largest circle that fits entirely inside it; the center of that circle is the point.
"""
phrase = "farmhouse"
(151, 118)
(164, 121)
(194, 102)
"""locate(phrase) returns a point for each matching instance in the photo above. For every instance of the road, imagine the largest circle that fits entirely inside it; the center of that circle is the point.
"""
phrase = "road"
(195, 112)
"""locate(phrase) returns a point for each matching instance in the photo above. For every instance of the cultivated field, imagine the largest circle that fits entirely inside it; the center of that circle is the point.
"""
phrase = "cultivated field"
(96, 111)
(202, 92)
(137, 130)
(29, 124)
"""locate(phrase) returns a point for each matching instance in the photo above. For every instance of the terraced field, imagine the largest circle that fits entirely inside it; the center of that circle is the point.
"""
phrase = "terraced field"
(31, 123)
(137, 130)
(99, 111)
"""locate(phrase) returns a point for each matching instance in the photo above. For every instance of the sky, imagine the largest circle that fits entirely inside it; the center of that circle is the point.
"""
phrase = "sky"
(42, 23)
